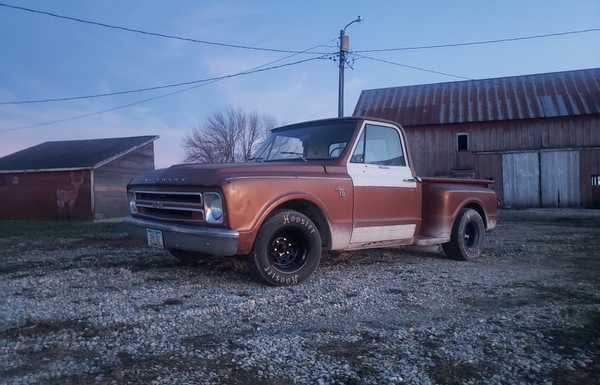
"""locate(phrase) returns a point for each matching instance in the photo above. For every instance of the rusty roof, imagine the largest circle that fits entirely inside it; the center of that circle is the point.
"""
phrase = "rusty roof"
(71, 154)
(567, 93)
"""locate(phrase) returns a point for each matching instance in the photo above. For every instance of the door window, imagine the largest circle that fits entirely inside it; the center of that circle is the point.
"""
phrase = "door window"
(379, 145)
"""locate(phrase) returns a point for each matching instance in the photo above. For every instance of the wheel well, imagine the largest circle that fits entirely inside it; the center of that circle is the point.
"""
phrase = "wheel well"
(477, 207)
(314, 213)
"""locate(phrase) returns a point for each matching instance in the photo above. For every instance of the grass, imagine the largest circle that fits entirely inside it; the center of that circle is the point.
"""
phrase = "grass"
(28, 229)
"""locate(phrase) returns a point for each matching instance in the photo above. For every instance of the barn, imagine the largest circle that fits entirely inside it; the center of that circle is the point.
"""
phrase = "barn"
(537, 136)
(75, 179)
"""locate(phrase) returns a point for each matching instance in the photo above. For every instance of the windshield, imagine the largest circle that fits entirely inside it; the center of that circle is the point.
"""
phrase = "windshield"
(323, 141)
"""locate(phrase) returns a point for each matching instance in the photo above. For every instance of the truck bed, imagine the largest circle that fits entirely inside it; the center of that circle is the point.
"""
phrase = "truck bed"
(442, 200)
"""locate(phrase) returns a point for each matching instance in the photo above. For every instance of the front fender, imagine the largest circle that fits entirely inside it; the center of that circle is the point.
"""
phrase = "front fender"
(250, 202)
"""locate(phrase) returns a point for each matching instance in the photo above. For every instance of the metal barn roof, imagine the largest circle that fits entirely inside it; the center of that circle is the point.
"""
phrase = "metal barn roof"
(71, 154)
(553, 94)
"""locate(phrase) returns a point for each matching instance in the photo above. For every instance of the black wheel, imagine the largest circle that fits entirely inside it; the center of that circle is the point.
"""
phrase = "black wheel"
(188, 258)
(468, 234)
(287, 249)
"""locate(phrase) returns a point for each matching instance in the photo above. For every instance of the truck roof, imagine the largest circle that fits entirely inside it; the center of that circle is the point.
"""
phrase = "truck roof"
(331, 120)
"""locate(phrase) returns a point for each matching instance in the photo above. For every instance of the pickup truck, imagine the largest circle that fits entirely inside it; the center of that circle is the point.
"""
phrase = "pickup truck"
(333, 184)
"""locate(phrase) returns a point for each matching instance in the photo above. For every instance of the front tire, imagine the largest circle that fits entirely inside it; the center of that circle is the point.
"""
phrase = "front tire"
(287, 249)
(468, 235)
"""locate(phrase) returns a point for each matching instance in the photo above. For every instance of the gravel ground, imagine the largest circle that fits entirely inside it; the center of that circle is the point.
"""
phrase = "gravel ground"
(82, 304)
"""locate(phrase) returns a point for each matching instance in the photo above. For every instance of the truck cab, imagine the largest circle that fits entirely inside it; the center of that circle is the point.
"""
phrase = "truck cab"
(334, 184)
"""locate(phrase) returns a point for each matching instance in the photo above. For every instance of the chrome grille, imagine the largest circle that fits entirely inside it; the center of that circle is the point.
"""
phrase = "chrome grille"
(170, 205)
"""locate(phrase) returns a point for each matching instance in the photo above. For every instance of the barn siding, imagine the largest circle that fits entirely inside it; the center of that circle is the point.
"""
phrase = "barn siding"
(45, 195)
(110, 181)
(489, 166)
(434, 149)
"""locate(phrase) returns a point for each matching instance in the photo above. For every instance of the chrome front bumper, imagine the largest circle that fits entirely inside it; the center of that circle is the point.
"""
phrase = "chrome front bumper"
(208, 240)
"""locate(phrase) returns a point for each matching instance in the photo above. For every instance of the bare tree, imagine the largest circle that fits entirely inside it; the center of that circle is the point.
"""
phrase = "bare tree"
(227, 136)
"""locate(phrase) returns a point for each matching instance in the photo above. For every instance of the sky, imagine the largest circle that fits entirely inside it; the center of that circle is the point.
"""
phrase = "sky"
(44, 57)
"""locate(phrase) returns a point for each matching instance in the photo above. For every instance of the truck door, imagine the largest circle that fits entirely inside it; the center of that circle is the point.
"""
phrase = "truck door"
(386, 202)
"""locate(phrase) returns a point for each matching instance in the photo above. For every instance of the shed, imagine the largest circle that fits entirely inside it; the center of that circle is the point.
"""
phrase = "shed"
(537, 136)
(74, 179)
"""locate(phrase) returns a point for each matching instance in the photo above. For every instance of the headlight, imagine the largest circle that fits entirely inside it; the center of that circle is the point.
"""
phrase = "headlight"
(213, 207)
(132, 206)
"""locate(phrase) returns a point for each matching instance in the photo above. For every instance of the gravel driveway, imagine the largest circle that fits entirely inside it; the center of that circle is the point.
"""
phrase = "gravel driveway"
(82, 304)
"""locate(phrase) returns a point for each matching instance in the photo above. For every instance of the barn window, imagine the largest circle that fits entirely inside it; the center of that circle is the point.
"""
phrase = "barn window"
(462, 142)
(596, 182)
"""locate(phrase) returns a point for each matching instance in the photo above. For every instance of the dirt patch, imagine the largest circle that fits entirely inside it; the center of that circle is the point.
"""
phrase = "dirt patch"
(451, 372)
(530, 294)
(569, 341)
(115, 243)
(41, 328)
(576, 376)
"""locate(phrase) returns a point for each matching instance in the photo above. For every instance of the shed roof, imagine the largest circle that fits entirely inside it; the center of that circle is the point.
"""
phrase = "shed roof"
(554, 94)
(72, 154)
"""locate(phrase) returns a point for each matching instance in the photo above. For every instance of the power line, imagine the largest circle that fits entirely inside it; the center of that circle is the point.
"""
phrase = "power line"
(149, 33)
(141, 101)
(413, 67)
(154, 88)
(481, 42)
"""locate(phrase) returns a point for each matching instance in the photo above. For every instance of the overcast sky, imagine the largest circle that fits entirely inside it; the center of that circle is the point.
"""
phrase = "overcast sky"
(45, 57)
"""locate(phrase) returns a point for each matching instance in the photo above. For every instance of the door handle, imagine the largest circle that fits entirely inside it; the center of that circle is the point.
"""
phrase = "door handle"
(383, 167)
(409, 180)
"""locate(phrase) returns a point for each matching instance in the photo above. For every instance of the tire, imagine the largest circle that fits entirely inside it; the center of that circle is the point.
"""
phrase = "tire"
(287, 249)
(468, 235)
(187, 258)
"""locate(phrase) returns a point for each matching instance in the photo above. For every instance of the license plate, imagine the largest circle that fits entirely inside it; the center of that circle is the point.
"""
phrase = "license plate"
(155, 238)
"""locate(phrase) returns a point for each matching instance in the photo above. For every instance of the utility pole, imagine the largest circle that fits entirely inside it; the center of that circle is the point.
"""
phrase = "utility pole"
(344, 47)
(342, 62)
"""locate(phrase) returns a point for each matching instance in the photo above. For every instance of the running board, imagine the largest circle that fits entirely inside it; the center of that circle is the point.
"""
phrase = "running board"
(431, 241)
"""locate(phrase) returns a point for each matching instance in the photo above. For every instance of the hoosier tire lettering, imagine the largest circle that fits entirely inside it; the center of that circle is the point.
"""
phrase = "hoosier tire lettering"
(300, 220)
(292, 280)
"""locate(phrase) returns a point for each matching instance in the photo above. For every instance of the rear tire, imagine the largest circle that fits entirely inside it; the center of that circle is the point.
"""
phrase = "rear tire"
(468, 235)
(287, 249)
(187, 258)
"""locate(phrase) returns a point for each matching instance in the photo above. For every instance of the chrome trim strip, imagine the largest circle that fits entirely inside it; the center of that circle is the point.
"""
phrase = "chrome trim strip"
(169, 208)
(214, 232)
(166, 192)
(169, 203)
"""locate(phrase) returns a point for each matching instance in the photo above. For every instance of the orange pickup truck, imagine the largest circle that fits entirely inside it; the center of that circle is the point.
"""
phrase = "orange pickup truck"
(334, 184)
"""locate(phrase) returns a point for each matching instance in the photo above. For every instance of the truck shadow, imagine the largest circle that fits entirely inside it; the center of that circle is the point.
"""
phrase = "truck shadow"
(404, 255)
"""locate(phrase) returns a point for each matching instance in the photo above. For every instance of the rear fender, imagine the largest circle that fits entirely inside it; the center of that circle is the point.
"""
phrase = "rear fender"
(443, 202)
